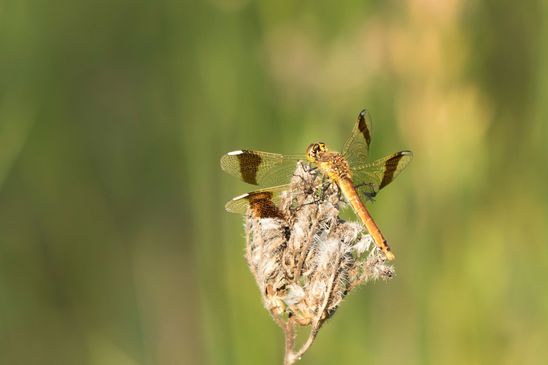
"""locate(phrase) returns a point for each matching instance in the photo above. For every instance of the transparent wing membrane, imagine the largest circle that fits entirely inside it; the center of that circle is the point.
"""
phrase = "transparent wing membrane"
(260, 168)
(356, 147)
(371, 177)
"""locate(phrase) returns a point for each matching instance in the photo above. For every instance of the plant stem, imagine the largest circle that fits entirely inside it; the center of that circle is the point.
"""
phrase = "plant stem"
(289, 333)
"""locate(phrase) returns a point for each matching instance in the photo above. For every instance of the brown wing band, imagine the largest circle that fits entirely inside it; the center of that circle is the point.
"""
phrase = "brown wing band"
(249, 165)
(362, 126)
(262, 205)
(390, 167)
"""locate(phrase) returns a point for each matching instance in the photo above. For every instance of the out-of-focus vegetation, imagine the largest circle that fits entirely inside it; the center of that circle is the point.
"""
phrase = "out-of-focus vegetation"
(114, 244)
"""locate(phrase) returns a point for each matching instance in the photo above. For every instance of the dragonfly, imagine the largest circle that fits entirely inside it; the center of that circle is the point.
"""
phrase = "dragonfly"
(358, 179)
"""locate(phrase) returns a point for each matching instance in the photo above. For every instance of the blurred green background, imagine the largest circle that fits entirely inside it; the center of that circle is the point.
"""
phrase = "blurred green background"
(114, 244)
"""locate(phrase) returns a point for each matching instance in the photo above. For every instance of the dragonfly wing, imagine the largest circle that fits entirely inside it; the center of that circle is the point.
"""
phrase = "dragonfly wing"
(264, 202)
(371, 177)
(260, 168)
(356, 147)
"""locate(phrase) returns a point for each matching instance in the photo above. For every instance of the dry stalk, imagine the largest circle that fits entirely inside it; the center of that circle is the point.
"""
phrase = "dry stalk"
(306, 259)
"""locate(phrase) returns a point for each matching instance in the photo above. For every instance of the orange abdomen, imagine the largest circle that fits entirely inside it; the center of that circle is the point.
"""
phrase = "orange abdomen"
(347, 188)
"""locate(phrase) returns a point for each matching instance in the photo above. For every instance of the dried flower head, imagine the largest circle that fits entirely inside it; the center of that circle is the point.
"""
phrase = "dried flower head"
(305, 258)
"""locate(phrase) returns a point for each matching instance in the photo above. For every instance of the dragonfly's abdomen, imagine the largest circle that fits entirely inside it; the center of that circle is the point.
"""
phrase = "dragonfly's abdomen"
(336, 167)
(348, 190)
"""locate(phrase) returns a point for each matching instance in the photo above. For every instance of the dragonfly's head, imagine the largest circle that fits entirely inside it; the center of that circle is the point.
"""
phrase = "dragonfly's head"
(314, 150)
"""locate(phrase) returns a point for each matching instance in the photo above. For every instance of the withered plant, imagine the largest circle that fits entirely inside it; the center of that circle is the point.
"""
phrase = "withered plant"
(305, 258)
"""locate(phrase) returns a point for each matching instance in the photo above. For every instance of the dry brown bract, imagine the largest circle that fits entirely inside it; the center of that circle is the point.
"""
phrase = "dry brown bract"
(306, 259)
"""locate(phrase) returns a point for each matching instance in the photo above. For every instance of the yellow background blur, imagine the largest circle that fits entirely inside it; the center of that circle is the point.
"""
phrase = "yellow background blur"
(114, 244)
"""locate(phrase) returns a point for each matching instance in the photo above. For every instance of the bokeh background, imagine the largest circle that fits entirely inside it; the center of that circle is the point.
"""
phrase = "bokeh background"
(114, 244)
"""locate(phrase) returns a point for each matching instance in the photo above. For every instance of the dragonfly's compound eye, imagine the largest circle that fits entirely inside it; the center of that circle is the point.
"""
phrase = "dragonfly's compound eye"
(313, 150)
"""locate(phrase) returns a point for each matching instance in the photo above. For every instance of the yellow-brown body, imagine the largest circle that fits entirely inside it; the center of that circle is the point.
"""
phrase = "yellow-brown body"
(335, 166)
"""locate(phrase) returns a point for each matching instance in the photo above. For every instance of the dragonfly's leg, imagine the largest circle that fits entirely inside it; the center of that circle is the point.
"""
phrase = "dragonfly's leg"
(303, 178)
(367, 190)
(310, 166)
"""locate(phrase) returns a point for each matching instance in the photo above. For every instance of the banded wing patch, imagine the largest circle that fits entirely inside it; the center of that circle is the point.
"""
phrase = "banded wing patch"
(260, 168)
(263, 203)
(371, 177)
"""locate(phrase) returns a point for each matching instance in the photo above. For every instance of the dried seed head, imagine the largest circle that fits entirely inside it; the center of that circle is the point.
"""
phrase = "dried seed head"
(307, 260)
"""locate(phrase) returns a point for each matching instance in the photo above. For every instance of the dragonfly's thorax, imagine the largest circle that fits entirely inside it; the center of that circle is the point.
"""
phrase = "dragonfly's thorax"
(334, 165)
